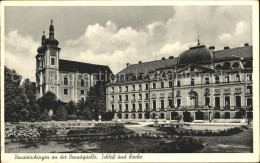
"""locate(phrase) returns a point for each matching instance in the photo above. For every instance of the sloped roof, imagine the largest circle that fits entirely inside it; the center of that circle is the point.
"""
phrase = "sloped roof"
(149, 66)
(244, 52)
(73, 66)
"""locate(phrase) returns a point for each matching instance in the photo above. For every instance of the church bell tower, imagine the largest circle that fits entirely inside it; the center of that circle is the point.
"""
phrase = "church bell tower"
(47, 65)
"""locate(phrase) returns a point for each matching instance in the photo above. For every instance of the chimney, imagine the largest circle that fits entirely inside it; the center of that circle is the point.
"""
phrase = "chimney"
(246, 44)
(212, 48)
(163, 58)
(226, 47)
(127, 64)
(171, 57)
(140, 62)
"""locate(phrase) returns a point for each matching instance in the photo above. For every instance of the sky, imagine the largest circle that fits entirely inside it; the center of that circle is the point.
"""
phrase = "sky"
(115, 36)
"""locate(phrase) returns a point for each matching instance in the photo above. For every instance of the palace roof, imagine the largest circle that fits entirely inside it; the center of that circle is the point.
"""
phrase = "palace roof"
(229, 54)
(149, 66)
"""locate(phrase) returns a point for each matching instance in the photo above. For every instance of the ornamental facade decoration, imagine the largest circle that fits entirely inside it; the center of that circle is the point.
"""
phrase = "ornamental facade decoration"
(207, 92)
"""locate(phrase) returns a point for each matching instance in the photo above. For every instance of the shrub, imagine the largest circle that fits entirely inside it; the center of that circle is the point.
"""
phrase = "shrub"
(108, 116)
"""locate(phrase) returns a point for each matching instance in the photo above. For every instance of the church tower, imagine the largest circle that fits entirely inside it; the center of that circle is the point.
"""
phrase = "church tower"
(47, 65)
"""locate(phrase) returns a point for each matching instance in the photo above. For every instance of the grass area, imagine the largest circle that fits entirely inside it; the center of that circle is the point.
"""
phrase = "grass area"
(241, 142)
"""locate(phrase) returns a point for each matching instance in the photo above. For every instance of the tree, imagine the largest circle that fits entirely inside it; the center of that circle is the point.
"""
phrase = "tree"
(71, 108)
(108, 116)
(96, 99)
(61, 113)
(48, 101)
(15, 102)
(87, 113)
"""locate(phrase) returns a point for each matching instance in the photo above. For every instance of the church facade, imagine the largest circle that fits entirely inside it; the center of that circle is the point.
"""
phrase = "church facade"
(200, 85)
(68, 80)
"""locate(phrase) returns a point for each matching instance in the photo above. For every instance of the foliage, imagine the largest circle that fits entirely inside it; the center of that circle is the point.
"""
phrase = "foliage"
(112, 129)
(96, 99)
(87, 114)
(44, 132)
(61, 113)
(174, 131)
(71, 108)
(108, 116)
(45, 116)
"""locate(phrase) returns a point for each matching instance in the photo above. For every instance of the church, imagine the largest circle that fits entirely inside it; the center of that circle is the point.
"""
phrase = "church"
(200, 85)
(68, 80)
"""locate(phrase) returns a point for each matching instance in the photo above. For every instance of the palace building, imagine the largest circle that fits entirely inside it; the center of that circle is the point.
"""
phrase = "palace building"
(68, 80)
(200, 85)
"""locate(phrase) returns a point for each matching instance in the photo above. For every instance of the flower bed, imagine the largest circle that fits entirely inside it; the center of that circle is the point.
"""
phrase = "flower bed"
(225, 132)
(179, 145)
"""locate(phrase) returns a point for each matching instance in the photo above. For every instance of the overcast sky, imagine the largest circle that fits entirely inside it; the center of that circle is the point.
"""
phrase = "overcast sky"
(114, 36)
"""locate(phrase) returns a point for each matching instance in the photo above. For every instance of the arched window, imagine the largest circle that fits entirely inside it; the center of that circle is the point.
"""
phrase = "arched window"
(65, 81)
(226, 66)
(82, 82)
(235, 65)
(192, 82)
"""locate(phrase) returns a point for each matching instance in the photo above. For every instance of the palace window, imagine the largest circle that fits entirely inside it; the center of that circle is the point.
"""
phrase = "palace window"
(140, 106)
(237, 77)
(126, 107)
(170, 84)
(133, 96)
(154, 104)
(154, 85)
(126, 97)
(66, 92)
(126, 88)
(140, 96)
(82, 82)
(227, 79)
(178, 83)
(120, 89)
(133, 107)
(249, 77)
(170, 103)
(113, 98)
(82, 92)
(178, 103)
(238, 101)
(146, 86)
(113, 107)
(120, 107)
(146, 96)
(207, 101)
(217, 79)
(192, 82)
(112, 89)
(207, 80)
(249, 90)
(65, 81)
(120, 97)
(146, 105)
(140, 87)
(162, 84)
(162, 104)
(133, 87)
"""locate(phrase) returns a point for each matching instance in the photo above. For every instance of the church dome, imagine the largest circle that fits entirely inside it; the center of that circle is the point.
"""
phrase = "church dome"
(197, 54)
(51, 41)
(41, 49)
